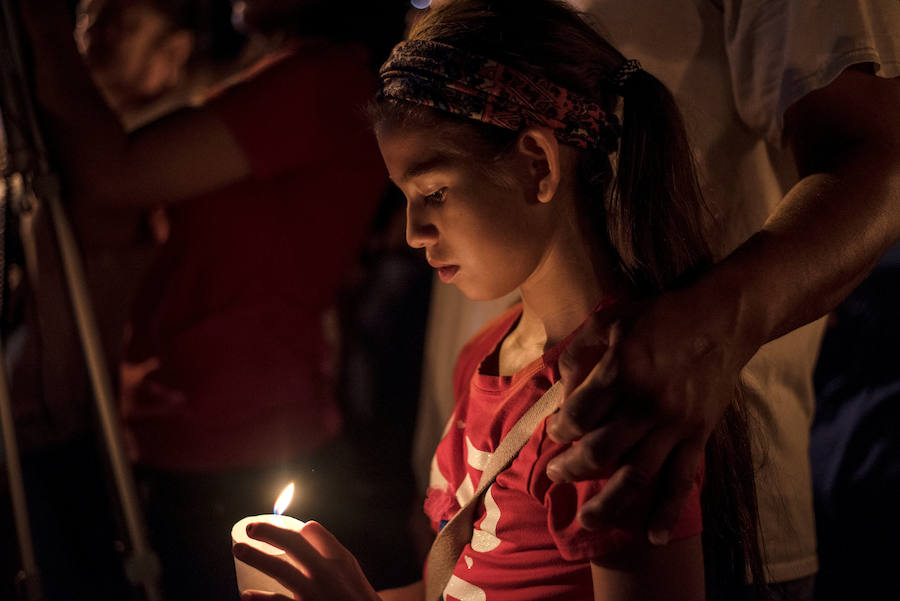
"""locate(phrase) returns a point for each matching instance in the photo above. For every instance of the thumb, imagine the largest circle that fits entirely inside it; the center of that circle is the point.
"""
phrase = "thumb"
(588, 400)
(586, 349)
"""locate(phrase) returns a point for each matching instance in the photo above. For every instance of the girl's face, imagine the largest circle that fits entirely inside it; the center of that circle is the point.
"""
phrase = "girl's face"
(479, 222)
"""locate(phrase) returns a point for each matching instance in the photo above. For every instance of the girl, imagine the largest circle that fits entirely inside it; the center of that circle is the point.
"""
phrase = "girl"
(497, 121)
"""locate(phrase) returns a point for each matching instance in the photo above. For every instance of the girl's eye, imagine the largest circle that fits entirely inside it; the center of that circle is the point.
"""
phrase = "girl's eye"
(435, 198)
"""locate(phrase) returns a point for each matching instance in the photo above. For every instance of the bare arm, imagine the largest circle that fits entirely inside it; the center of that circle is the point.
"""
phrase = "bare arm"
(841, 217)
(673, 572)
(678, 361)
(180, 156)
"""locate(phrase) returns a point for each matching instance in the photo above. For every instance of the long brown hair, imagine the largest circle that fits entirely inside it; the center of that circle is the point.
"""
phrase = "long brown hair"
(644, 205)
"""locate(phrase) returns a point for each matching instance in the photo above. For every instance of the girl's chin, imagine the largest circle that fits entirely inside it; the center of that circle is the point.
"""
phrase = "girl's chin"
(480, 294)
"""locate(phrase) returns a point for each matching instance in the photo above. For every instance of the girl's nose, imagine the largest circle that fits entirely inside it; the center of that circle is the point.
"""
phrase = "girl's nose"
(420, 232)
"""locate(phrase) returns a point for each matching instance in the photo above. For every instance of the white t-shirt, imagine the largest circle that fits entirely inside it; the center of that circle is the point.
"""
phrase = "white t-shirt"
(734, 68)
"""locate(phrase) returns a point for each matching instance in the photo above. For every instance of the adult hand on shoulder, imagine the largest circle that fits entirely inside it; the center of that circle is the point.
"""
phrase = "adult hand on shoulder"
(643, 396)
(316, 567)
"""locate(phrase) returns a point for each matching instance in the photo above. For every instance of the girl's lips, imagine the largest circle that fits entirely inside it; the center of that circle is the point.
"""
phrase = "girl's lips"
(447, 272)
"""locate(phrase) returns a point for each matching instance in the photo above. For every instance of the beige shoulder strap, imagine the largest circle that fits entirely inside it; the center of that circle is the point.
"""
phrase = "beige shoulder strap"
(457, 533)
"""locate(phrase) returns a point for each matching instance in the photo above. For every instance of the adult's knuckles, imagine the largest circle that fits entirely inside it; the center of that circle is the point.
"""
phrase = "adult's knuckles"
(578, 462)
(597, 451)
(577, 411)
(598, 512)
(562, 429)
(635, 478)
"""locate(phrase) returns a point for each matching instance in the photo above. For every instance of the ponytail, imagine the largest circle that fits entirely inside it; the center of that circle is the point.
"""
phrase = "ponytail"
(655, 218)
(654, 211)
(728, 502)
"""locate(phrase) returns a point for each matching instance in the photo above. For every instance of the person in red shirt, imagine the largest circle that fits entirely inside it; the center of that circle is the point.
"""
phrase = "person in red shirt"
(270, 185)
(498, 124)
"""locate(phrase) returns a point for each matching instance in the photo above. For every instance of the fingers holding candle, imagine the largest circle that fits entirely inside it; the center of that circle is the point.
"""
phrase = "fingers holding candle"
(247, 576)
(324, 541)
(314, 566)
(279, 567)
(296, 543)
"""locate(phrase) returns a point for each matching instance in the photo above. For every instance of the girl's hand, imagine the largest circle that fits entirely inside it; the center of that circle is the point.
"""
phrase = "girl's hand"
(316, 568)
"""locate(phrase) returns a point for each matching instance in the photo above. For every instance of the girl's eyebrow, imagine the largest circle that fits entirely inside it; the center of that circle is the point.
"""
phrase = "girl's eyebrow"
(429, 163)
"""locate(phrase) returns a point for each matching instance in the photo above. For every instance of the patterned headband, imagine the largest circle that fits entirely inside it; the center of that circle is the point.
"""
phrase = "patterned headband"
(452, 80)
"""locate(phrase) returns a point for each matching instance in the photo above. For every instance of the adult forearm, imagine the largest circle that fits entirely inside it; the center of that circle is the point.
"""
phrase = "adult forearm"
(683, 352)
(825, 236)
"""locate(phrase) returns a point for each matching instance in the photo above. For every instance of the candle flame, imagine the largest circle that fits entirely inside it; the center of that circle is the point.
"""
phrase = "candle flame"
(284, 499)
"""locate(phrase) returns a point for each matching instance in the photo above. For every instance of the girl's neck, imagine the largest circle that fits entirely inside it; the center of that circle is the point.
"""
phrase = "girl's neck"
(570, 283)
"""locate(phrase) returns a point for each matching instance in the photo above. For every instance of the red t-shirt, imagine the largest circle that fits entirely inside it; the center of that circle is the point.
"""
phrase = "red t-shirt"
(527, 543)
(234, 306)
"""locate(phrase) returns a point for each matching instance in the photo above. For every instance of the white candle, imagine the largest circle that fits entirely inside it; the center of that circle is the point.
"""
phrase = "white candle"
(249, 577)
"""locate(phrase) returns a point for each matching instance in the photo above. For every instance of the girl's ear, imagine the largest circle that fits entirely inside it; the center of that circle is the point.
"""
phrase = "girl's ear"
(540, 149)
